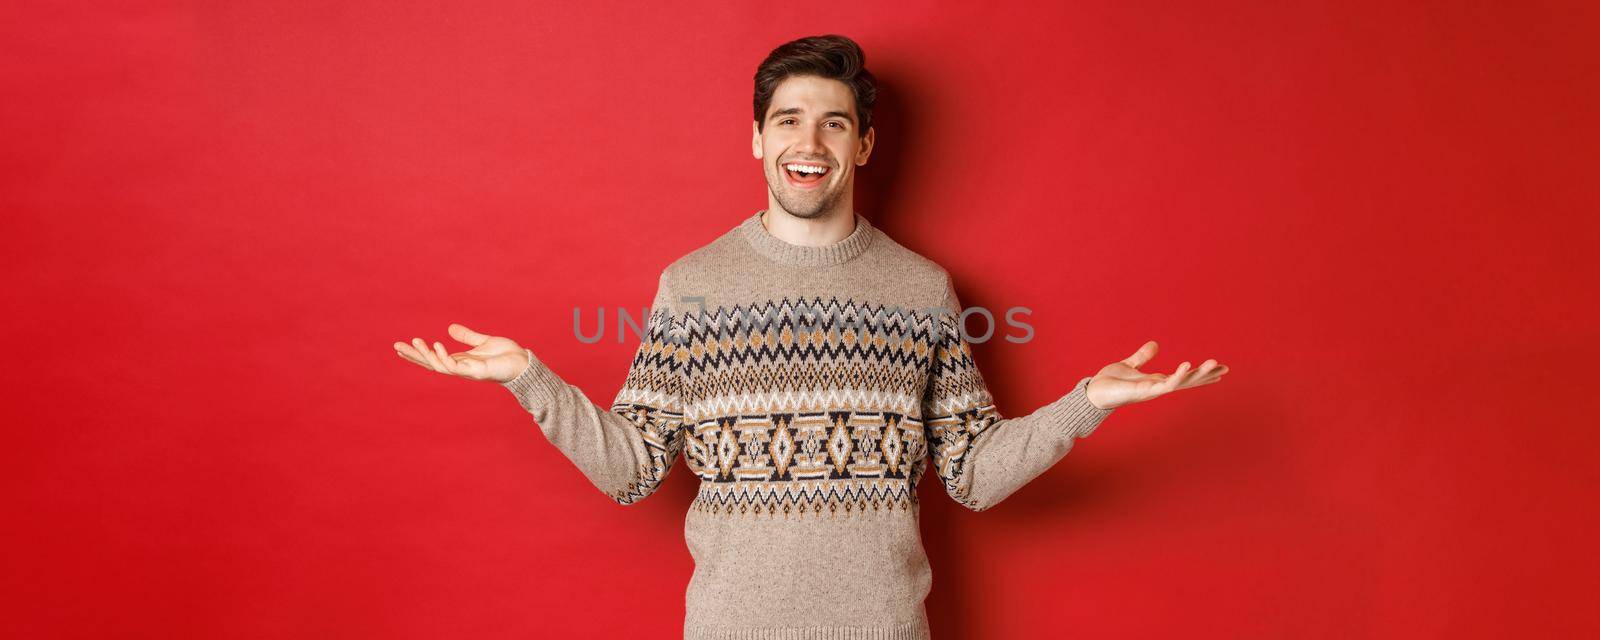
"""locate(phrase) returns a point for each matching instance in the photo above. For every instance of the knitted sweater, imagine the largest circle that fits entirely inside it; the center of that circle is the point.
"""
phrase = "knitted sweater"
(808, 388)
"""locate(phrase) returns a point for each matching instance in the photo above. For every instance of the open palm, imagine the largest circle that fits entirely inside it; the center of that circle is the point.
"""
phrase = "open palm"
(491, 357)
(1121, 383)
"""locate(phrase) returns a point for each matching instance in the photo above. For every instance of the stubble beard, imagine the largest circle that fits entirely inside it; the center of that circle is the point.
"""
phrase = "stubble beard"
(806, 206)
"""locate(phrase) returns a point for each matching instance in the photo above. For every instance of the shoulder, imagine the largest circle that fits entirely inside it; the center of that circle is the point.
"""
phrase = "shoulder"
(699, 270)
(709, 258)
(924, 278)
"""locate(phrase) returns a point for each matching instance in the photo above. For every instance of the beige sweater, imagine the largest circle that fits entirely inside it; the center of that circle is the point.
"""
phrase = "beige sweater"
(806, 387)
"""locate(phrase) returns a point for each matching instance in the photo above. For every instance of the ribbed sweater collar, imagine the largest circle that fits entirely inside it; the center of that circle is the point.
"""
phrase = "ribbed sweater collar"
(794, 254)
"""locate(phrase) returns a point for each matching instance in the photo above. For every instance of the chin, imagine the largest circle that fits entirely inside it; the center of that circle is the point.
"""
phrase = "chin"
(805, 210)
(804, 214)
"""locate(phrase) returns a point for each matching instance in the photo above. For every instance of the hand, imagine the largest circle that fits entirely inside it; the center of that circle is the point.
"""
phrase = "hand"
(1121, 383)
(491, 358)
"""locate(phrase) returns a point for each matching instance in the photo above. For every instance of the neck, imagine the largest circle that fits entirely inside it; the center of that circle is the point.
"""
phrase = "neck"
(831, 227)
(797, 255)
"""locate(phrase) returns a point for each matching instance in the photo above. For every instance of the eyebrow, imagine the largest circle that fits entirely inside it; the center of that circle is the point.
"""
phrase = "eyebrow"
(791, 111)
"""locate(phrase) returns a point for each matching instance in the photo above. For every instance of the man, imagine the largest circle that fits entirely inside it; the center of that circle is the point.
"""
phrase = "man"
(807, 367)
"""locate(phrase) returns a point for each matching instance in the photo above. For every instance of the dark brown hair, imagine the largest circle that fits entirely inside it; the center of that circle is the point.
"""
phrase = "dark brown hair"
(834, 57)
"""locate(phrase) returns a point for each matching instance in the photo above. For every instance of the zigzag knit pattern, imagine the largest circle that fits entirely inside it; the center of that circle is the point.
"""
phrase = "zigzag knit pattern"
(761, 377)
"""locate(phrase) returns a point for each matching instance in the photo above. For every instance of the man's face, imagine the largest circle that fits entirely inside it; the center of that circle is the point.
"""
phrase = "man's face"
(812, 122)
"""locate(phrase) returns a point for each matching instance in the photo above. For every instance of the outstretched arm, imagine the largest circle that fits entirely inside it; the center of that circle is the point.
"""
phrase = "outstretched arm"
(626, 449)
(983, 457)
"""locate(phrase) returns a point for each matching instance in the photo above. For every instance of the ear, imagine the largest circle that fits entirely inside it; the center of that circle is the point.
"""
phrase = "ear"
(755, 139)
(866, 146)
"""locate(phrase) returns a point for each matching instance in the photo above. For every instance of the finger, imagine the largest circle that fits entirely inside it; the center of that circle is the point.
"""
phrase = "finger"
(466, 336)
(1176, 379)
(1142, 355)
(405, 351)
(444, 358)
(1214, 375)
(427, 354)
(408, 352)
(420, 352)
(433, 358)
(1206, 372)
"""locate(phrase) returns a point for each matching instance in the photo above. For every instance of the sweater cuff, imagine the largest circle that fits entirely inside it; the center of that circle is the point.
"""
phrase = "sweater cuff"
(536, 386)
(1075, 414)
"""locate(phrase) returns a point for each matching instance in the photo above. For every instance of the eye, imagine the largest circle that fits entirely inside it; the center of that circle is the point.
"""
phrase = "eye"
(786, 121)
(836, 124)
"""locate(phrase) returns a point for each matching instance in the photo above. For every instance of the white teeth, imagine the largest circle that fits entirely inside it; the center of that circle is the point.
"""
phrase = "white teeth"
(804, 168)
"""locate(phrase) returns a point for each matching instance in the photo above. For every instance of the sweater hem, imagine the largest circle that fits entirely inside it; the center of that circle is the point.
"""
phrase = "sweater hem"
(914, 630)
(535, 387)
(1075, 414)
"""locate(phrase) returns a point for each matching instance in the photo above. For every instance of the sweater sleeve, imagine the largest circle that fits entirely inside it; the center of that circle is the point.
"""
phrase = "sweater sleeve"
(628, 449)
(981, 456)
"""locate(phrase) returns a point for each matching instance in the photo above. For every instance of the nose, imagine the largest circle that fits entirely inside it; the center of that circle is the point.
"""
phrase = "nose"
(810, 142)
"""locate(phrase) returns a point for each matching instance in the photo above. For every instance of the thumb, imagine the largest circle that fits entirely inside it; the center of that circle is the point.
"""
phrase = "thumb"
(466, 336)
(1142, 355)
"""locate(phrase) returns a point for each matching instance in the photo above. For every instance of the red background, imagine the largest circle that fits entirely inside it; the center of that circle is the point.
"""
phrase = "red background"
(219, 216)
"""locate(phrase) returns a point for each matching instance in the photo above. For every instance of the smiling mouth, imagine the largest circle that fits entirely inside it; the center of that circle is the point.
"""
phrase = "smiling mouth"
(806, 174)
